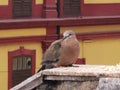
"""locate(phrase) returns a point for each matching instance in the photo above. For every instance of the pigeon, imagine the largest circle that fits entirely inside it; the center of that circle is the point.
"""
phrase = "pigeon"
(62, 52)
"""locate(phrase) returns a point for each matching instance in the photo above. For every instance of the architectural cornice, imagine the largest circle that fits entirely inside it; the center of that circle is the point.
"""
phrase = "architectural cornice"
(77, 21)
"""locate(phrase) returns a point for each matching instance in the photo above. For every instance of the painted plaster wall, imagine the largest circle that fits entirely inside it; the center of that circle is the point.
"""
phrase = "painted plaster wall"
(22, 32)
(101, 8)
(102, 51)
(3, 2)
(6, 9)
(101, 1)
(90, 29)
(39, 1)
(4, 48)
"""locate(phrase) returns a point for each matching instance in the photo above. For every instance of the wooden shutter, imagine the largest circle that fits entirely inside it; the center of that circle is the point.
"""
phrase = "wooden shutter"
(22, 8)
(71, 7)
(21, 68)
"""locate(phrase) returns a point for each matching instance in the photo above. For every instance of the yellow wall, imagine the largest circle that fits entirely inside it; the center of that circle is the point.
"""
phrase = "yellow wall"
(101, 1)
(4, 48)
(23, 32)
(88, 29)
(3, 80)
(3, 2)
(39, 2)
(102, 51)
(92, 49)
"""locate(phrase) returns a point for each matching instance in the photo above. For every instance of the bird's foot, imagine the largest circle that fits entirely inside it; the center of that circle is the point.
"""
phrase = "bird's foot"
(70, 65)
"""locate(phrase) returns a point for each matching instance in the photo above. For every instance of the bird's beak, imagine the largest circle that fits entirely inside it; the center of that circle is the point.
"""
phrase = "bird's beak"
(66, 36)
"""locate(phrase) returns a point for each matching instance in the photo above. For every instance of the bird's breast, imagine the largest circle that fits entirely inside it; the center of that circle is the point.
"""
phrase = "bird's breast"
(70, 47)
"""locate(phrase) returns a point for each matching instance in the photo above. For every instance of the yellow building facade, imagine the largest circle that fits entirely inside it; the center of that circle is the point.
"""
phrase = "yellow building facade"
(12, 46)
(95, 51)
(25, 37)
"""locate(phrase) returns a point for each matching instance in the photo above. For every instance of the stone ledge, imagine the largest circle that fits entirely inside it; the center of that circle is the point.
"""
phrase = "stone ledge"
(85, 70)
(78, 77)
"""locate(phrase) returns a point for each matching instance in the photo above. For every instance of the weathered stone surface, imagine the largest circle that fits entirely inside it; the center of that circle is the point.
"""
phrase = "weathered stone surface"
(85, 70)
(72, 85)
(81, 77)
(48, 85)
(68, 85)
(109, 84)
(78, 77)
(71, 78)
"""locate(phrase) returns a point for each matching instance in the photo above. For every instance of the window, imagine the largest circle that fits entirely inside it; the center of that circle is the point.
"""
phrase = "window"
(21, 65)
(22, 8)
(22, 62)
(71, 7)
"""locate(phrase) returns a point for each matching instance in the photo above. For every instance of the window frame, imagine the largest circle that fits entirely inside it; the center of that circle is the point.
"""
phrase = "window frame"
(20, 51)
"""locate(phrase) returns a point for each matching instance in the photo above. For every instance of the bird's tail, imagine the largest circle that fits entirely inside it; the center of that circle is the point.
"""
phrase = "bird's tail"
(45, 66)
(42, 68)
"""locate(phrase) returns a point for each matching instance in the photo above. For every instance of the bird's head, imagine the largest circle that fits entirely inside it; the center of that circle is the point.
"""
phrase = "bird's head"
(68, 33)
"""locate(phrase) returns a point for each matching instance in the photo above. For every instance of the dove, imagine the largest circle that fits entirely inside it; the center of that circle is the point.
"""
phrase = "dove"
(69, 50)
(62, 52)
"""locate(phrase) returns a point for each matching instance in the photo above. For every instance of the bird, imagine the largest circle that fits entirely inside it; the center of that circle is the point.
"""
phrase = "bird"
(70, 49)
(62, 52)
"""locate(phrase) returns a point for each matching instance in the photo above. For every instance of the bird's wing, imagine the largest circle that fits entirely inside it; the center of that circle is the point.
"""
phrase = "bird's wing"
(52, 53)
